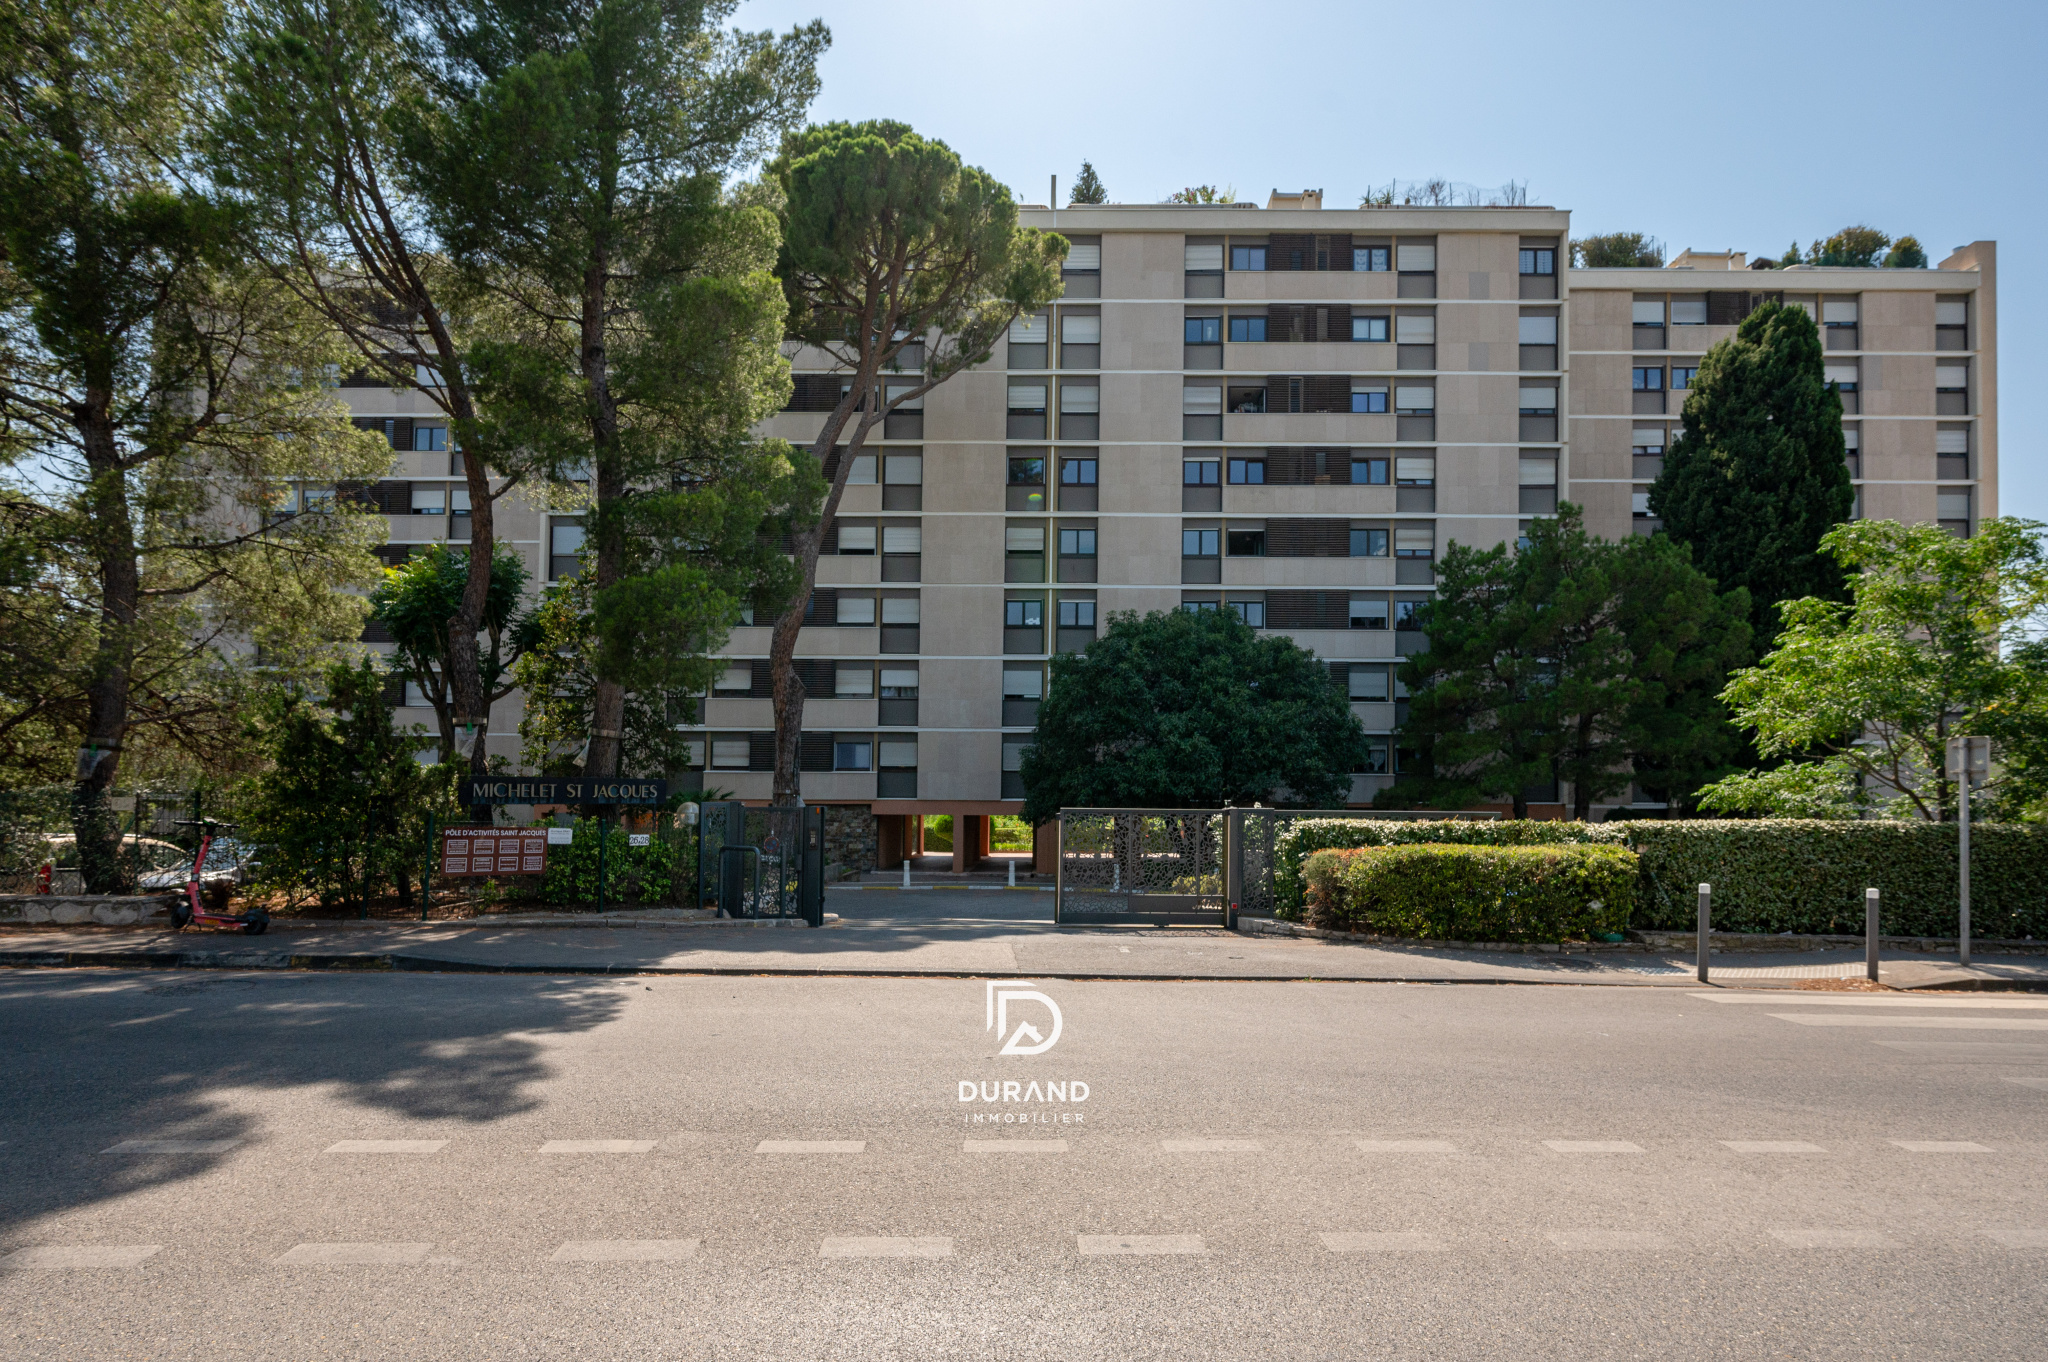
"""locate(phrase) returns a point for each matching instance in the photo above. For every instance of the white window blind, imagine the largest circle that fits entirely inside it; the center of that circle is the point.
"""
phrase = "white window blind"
(458, 499)
(1024, 539)
(1639, 502)
(1013, 755)
(1538, 399)
(1414, 538)
(1204, 257)
(1539, 472)
(429, 498)
(1084, 257)
(1852, 439)
(1649, 437)
(1650, 313)
(564, 540)
(1201, 401)
(1688, 312)
(856, 539)
(858, 611)
(1080, 330)
(900, 610)
(1415, 400)
(1023, 685)
(903, 468)
(1412, 330)
(736, 678)
(1839, 311)
(902, 539)
(1415, 258)
(1952, 505)
(899, 679)
(1951, 313)
(1951, 441)
(1951, 375)
(1080, 399)
(862, 474)
(1369, 612)
(1538, 330)
(729, 753)
(1030, 329)
(1027, 397)
(1415, 470)
(853, 681)
(897, 753)
(896, 390)
(1368, 683)
(1844, 374)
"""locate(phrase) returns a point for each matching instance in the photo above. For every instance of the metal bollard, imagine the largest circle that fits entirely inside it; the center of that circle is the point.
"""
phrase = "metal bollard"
(1706, 914)
(1013, 874)
(1870, 933)
(906, 872)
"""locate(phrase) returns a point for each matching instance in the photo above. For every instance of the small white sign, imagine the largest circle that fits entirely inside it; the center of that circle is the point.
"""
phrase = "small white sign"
(561, 837)
(638, 839)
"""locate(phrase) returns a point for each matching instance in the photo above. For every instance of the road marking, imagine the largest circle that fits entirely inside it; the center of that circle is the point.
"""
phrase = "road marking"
(1211, 1146)
(2029, 1082)
(1594, 1146)
(1922, 1023)
(57, 1257)
(328, 1255)
(170, 1147)
(888, 1246)
(1117, 1245)
(1406, 1146)
(1940, 1147)
(1773, 1147)
(1608, 1240)
(2021, 1239)
(1777, 998)
(384, 1147)
(1013, 1146)
(597, 1146)
(1832, 1238)
(1382, 1242)
(624, 1251)
(1968, 1051)
(811, 1147)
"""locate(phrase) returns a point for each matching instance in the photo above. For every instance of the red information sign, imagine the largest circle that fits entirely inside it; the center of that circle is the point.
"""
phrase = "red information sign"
(494, 851)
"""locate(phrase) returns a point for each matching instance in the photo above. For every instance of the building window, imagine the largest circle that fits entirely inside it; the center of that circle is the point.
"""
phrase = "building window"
(1369, 543)
(1204, 331)
(1415, 401)
(1246, 472)
(1251, 612)
(1368, 328)
(1418, 541)
(1199, 472)
(1247, 543)
(1247, 328)
(1369, 684)
(1682, 376)
(565, 545)
(1200, 543)
(1029, 472)
(1369, 472)
(1077, 472)
(1407, 616)
(1415, 472)
(855, 612)
(1539, 261)
(1368, 612)
(729, 754)
(1538, 330)
(1650, 380)
(1199, 607)
(429, 439)
(1077, 543)
(1843, 376)
(1369, 399)
(1247, 257)
(1023, 614)
(1077, 614)
(1372, 259)
(853, 756)
(430, 498)
(1688, 311)
(854, 680)
(857, 541)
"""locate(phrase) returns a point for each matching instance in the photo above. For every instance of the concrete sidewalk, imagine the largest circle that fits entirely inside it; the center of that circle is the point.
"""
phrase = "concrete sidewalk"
(948, 933)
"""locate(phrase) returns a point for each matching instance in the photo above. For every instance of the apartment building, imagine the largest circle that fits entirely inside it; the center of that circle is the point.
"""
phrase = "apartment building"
(1287, 412)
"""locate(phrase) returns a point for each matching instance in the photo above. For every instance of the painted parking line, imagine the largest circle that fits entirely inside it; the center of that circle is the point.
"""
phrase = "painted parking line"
(1832, 1238)
(59, 1257)
(1594, 1146)
(385, 1147)
(171, 1147)
(1211, 1146)
(1920, 1023)
(1398, 1241)
(624, 1251)
(597, 1146)
(1941, 1147)
(1777, 999)
(811, 1147)
(2028, 1082)
(1013, 1146)
(2020, 1239)
(1406, 1146)
(331, 1255)
(1971, 1051)
(1610, 1241)
(888, 1246)
(1126, 1245)
(1773, 1147)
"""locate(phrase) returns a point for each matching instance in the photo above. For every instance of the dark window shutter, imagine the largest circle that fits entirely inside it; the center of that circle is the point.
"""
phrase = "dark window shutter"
(1283, 321)
(1339, 322)
(1339, 252)
(1304, 538)
(823, 608)
(401, 433)
(1291, 251)
(814, 752)
(830, 543)
(1726, 309)
(814, 392)
(1326, 393)
(760, 679)
(1340, 672)
(832, 462)
(818, 676)
(1310, 610)
(375, 423)
(1283, 467)
(356, 493)
(761, 751)
(1281, 390)
(394, 498)
(375, 632)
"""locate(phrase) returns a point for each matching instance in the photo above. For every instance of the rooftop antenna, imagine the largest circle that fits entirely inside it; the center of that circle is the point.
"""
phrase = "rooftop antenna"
(1053, 197)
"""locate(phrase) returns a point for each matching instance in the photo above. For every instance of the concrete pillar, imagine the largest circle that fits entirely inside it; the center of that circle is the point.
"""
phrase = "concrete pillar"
(1044, 845)
(962, 833)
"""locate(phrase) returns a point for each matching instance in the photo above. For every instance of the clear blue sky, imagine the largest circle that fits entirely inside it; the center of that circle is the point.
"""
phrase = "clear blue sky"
(1738, 125)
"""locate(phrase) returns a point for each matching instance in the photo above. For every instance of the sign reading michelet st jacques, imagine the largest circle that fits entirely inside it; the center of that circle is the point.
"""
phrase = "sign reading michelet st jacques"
(494, 851)
(549, 790)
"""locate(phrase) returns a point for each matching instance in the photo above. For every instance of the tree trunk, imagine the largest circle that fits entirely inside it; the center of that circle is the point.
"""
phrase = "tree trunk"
(607, 698)
(99, 755)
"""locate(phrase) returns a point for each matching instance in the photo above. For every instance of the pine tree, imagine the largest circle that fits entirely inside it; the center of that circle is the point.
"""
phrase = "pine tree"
(1760, 472)
(1088, 187)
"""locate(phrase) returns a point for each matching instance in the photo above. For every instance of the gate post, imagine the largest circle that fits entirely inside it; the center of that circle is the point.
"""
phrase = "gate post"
(1233, 865)
(811, 879)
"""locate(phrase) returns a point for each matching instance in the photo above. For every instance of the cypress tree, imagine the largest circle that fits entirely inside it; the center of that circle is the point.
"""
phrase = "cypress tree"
(1759, 474)
(1088, 186)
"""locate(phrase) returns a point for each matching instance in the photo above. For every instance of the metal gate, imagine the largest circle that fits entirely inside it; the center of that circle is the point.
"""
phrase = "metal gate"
(1149, 867)
(761, 862)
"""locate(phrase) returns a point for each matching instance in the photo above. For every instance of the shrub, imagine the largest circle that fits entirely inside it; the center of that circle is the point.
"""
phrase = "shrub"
(1441, 892)
(632, 874)
(1310, 835)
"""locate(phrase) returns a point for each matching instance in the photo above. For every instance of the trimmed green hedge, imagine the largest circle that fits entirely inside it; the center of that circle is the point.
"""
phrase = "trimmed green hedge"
(1311, 835)
(1769, 874)
(1439, 892)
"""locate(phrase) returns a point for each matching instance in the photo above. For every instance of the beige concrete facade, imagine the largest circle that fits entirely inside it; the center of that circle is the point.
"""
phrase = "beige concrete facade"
(1476, 381)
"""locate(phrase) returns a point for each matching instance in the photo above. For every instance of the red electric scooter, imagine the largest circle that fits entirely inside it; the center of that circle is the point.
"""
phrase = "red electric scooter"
(208, 902)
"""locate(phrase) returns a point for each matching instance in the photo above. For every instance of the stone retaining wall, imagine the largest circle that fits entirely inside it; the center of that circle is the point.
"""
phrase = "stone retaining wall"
(112, 910)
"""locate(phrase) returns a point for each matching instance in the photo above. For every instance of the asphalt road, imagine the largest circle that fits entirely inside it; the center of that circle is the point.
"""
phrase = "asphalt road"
(503, 1167)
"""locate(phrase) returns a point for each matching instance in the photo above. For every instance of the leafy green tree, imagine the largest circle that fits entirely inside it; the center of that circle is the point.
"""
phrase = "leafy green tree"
(1759, 474)
(572, 161)
(415, 604)
(1203, 193)
(161, 400)
(1906, 254)
(1184, 710)
(1618, 250)
(1087, 187)
(905, 267)
(1937, 640)
(342, 810)
(1854, 247)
